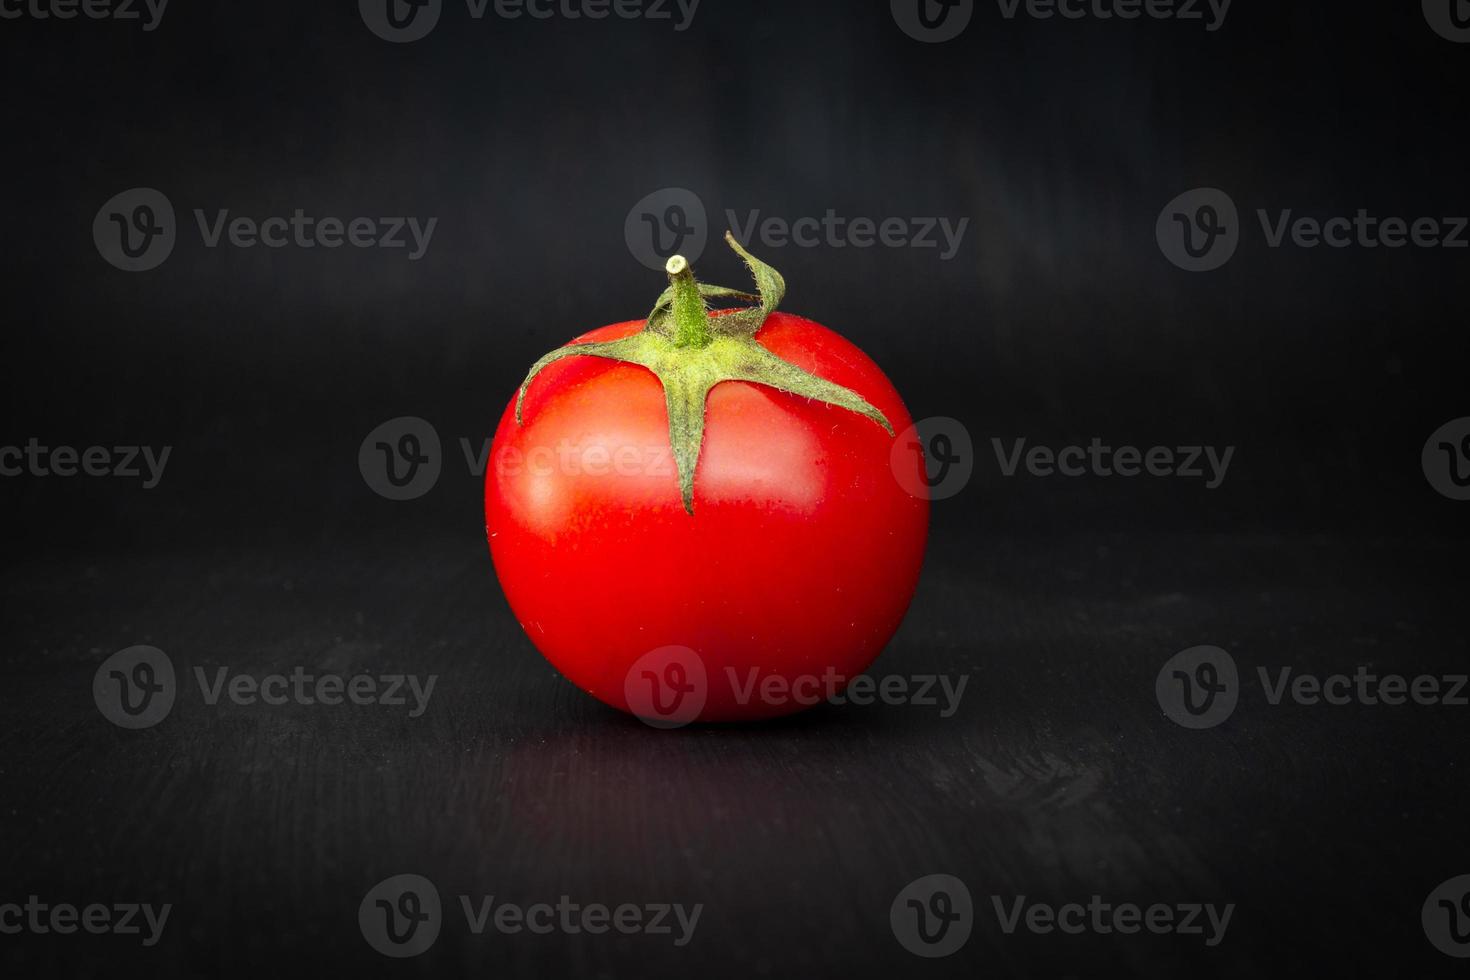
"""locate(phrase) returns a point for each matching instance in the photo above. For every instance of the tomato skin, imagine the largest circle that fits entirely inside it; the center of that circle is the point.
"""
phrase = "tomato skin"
(801, 556)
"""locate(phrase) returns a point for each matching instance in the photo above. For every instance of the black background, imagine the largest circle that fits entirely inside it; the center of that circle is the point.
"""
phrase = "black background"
(1058, 320)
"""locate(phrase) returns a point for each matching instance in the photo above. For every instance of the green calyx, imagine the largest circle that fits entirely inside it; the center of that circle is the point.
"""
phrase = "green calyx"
(690, 350)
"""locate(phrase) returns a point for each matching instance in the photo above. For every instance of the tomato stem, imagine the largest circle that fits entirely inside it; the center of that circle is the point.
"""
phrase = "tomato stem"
(691, 316)
(690, 352)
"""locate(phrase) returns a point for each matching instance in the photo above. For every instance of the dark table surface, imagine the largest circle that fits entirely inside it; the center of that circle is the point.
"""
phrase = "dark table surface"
(1061, 317)
(1058, 778)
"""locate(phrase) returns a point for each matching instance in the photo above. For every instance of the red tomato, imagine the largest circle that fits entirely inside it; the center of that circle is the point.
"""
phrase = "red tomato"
(798, 562)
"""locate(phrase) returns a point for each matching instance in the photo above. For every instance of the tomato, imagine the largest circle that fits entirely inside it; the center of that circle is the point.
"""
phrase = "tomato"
(745, 569)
